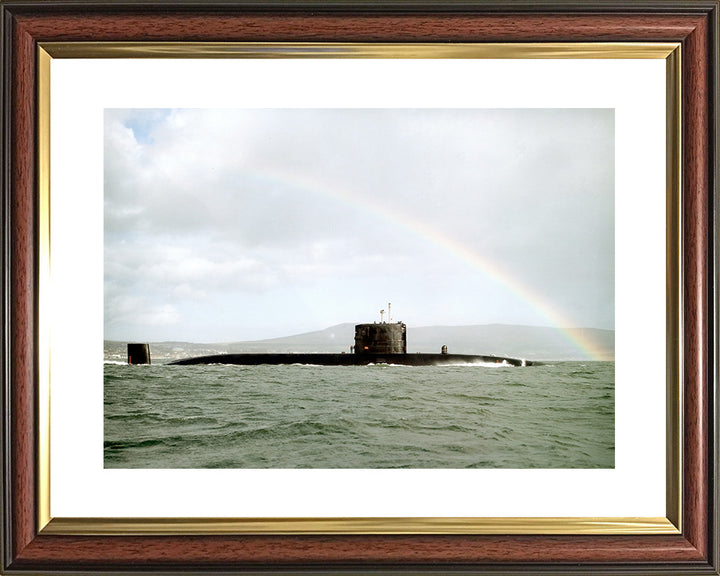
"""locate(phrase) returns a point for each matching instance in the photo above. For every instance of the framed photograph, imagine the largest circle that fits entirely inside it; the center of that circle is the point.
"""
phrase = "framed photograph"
(359, 286)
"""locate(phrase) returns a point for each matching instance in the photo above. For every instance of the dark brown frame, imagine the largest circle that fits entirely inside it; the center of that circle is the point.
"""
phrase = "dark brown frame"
(692, 23)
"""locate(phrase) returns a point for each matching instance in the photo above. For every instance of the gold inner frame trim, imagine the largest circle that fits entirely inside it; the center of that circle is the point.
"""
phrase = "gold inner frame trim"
(288, 526)
(674, 309)
(357, 525)
(567, 50)
(44, 362)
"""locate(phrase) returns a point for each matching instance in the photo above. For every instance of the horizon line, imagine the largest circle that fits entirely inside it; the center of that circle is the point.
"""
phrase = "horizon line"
(557, 328)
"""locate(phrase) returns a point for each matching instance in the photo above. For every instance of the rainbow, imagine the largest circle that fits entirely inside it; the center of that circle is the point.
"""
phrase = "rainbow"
(491, 269)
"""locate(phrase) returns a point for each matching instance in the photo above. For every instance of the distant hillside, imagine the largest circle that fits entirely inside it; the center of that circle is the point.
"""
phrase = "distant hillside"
(531, 342)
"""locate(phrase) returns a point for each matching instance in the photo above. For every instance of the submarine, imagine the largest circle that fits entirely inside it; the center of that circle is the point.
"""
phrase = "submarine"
(376, 343)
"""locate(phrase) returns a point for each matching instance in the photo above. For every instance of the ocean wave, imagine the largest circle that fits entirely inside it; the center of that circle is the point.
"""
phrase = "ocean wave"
(111, 445)
(479, 365)
(160, 419)
(379, 417)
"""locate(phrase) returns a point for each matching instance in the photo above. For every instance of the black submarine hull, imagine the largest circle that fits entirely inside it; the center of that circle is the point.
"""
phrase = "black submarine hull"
(419, 359)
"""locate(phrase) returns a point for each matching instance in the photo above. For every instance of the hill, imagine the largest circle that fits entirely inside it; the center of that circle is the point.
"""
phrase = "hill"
(531, 342)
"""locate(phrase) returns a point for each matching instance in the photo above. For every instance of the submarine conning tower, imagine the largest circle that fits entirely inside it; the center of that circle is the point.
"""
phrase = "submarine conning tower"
(383, 338)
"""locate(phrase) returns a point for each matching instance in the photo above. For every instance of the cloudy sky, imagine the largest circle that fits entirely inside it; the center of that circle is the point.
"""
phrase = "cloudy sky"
(228, 225)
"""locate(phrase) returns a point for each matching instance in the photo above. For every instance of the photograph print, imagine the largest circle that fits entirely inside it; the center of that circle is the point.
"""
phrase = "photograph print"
(359, 288)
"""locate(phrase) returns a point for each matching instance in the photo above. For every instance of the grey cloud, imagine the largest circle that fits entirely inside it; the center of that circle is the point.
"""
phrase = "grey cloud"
(199, 202)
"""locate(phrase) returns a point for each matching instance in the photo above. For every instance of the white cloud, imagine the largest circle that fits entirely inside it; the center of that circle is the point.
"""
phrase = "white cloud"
(138, 311)
(161, 316)
(201, 203)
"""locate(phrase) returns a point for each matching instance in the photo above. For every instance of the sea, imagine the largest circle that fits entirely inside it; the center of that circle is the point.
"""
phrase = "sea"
(556, 415)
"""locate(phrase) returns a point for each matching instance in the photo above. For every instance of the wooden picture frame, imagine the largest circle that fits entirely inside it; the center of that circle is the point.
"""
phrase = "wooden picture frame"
(30, 547)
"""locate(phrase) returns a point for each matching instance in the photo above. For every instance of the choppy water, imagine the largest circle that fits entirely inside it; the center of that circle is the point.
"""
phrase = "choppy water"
(559, 415)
